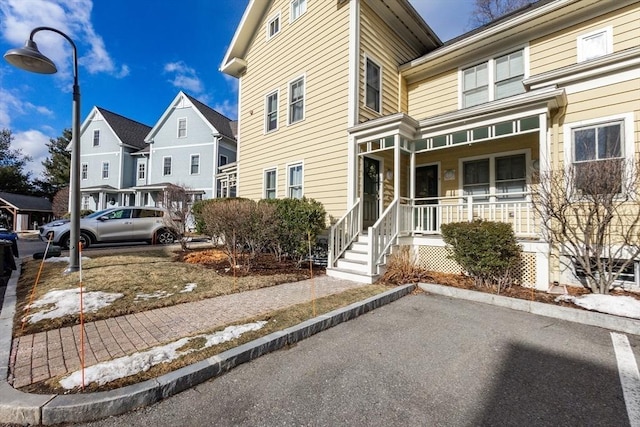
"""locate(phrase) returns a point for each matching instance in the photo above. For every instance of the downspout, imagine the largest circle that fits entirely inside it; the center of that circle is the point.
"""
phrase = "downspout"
(217, 138)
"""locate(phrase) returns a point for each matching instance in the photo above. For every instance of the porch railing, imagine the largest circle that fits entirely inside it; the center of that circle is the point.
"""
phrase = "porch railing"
(343, 233)
(425, 216)
(382, 235)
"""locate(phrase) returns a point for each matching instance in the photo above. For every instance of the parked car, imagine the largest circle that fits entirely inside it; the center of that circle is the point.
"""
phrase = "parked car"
(12, 237)
(120, 224)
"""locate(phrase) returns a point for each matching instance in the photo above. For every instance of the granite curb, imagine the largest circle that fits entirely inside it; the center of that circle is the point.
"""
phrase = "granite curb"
(607, 321)
(24, 408)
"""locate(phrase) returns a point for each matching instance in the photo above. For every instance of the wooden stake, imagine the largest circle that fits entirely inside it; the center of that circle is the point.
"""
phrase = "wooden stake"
(82, 359)
(33, 290)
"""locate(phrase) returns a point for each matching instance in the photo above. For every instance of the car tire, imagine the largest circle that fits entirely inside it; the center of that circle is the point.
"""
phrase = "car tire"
(164, 237)
(85, 239)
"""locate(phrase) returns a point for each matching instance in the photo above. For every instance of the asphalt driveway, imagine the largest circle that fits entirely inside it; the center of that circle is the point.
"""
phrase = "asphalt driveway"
(423, 360)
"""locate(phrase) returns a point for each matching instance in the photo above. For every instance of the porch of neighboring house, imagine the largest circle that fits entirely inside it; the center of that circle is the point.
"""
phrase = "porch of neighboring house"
(104, 197)
(411, 177)
(227, 180)
(19, 212)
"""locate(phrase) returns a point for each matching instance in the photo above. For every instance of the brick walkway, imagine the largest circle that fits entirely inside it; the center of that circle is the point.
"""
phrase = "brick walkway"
(44, 355)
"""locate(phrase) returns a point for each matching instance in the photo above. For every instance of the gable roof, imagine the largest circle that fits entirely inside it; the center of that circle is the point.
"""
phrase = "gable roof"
(398, 14)
(128, 131)
(216, 121)
(25, 203)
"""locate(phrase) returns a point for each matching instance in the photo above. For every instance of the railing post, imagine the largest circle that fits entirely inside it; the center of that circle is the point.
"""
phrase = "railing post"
(470, 208)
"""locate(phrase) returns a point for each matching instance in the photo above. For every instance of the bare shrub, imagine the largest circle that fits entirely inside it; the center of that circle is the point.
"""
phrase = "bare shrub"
(402, 268)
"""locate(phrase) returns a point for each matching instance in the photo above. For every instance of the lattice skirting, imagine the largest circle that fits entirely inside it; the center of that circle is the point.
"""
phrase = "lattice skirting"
(436, 258)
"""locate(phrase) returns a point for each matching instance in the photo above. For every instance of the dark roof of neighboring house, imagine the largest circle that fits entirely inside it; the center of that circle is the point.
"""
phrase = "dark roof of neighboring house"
(234, 128)
(129, 131)
(531, 6)
(25, 203)
(217, 120)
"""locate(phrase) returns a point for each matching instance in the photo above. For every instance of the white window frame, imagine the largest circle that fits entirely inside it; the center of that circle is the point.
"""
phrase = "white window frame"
(367, 60)
(265, 189)
(290, 186)
(268, 28)
(96, 137)
(303, 77)
(492, 195)
(164, 166)
(292, 7)
(491, 73)
(84, 168)
(267, 112)
(583, 54)
(142, 171)
(105, 170)
(627, 146)
(182, 119)
(193, 156)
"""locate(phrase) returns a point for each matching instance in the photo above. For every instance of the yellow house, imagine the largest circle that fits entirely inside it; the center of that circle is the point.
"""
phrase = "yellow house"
(359, 105)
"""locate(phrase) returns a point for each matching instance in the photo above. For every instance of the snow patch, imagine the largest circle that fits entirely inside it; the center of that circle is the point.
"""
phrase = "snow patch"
(610, 304)
(189, 287)
(61, 303)
(153, 295)
(105, 372)
(63, 259)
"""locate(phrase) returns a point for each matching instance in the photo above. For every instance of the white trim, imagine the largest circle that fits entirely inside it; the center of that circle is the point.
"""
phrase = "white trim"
(289, 166)
(268, 25)
(352, 99)
(266, 111)
(173, 147)
(178, 127)
(623, 76)
(368, 57)
(302, 76)
(141, 162)
(608, 39)
(110, 153)
(264, 181)
(191, 156)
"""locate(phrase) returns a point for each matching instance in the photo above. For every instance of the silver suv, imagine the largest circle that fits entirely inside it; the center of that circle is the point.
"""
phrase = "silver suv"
(121, 224)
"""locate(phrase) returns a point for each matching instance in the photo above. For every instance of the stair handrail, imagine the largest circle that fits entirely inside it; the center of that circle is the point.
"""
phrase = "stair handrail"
(343, 233)
(382, 235)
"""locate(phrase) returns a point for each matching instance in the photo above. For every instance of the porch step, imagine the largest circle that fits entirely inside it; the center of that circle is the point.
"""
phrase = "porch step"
(353, 265)
(354, 276)
(355, 255)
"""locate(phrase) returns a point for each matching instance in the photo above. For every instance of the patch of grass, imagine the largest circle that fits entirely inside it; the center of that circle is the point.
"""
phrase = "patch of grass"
(147, 272)
(276, 321)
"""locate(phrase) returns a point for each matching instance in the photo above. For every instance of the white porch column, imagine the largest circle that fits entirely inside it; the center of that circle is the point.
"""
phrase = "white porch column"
(396, 166)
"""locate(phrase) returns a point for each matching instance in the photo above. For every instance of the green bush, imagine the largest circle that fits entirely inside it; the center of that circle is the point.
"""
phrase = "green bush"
(486, 250)
(298, 221)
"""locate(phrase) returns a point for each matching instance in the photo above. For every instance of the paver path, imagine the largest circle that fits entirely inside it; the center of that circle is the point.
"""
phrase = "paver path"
(44, 355)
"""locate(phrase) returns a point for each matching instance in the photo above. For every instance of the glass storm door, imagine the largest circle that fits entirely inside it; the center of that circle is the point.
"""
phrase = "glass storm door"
(371, 192)
(427, 188)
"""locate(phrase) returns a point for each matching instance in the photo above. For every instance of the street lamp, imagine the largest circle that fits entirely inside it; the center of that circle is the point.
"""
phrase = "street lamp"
(29, 58)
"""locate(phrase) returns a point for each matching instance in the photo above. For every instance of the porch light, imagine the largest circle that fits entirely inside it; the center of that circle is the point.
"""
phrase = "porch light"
(389, 174)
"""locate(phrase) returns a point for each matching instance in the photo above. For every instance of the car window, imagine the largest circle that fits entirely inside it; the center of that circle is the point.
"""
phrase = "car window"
(150, 213)
(97, 214)
(119, 214)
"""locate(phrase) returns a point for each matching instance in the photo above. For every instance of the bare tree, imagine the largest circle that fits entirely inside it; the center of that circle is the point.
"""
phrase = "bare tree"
(60, 204)
(591, 213)
(486, 11)
(178, 201)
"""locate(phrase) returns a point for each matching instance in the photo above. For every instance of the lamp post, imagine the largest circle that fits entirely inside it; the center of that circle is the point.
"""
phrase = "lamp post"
(29, 58)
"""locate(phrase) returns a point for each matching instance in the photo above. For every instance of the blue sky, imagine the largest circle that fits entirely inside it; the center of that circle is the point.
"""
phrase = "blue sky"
(134, 55)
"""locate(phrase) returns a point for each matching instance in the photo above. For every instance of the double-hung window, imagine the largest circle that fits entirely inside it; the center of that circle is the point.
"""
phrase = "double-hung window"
(166, 166)
(142, 170)
(105, 170)
(296, 100)
(195, 164)
(298, 8)
(96, 137)
(508, 179)
(182, 127)
(271, 112)
(85, 171)
(273, 26)
(599, 158)
(294, 184)
(270, 184)
(496, 78)
(373, 83)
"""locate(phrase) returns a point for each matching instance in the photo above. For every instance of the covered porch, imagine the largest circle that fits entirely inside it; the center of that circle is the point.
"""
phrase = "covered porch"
(410, 177)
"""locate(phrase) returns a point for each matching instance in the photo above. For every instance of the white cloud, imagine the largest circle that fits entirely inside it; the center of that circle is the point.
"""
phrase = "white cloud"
(227, 108)
(73, 18)
(184, 77)
(33, 143)
(11, 106)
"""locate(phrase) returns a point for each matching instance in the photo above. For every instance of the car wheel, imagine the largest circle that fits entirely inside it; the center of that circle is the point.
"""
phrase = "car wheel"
(165, 237)
(84, 239)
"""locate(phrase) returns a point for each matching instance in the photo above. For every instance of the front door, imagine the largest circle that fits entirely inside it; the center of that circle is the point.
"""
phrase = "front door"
(371, 192)
(426, 194)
